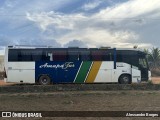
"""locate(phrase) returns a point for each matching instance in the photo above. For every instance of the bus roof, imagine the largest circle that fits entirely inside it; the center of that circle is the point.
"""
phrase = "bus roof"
(37, 46)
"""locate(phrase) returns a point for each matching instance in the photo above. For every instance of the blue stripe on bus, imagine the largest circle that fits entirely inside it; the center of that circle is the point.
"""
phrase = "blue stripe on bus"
(59, 72)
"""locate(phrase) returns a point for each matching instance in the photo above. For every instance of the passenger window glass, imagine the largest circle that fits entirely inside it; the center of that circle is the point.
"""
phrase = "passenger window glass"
(26, 55)
(101, 55)
(107, 56)
(96, 55)
(73, 55)
(84, 56)
(59, 55)
(13, 55)
(37, 55)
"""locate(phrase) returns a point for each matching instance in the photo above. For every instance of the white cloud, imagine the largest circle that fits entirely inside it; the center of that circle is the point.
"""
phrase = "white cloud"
(57, 20)
(131, 45)
(76, 43)
(130, 9)
(112, 26)
(96, 38)
(91, 5)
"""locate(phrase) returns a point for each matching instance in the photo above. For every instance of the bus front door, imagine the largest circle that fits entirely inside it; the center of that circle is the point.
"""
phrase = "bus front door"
(143, 66)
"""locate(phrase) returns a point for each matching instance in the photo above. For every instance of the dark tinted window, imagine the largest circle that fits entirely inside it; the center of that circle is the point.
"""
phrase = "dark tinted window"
(127, 56)
(96, 55)
(102, 55)
(13, 55)
(119, 57)
(59, 55)
(84, 55)
(37, 55)
(31, 55)
(73, 55)
(108, 55)
(25, 55)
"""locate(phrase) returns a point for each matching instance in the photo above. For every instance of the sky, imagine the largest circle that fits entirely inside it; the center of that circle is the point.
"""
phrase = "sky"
(80, 23)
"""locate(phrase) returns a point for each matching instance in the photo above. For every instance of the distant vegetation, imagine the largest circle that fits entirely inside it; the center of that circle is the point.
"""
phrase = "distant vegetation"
(153, 56)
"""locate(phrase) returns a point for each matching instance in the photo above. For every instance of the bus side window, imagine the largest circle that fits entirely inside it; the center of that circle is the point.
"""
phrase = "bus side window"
(96, 55)
(102, 55)
(45, 56)
(26, 55)
(107, 56)
(37, 55)
(119, 57)
(84, 56)
(13, 55)
(59, 55)
(73, 55)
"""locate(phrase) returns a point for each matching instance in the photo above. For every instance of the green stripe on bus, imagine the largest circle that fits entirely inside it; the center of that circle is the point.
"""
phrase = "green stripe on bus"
(83, 72)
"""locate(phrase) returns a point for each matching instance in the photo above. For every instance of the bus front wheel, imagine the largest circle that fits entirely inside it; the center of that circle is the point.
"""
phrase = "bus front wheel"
(44, 80)
(125, 79)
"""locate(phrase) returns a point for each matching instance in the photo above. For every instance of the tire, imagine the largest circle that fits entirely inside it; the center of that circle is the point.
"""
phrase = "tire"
(44, 80)
(125, 79)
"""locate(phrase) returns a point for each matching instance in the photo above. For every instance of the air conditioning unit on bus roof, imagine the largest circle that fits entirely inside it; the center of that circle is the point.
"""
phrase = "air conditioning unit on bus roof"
(73, 47)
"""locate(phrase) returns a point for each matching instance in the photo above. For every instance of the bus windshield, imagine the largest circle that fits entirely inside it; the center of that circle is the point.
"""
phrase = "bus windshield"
(143, 62)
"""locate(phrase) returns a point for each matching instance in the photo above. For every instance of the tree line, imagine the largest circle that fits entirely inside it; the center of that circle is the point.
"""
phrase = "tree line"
(153, 56)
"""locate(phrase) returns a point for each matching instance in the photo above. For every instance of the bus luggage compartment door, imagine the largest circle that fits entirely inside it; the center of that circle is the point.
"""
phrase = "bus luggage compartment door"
(104, 73)
(19, 75)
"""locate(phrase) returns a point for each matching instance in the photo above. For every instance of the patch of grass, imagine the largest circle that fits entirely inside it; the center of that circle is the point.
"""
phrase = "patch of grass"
(151, 93)
(123, 93)
(150, 82)
(67, 102)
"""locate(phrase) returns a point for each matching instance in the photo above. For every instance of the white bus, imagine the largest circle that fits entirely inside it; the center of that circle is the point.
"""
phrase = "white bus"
(46, 65)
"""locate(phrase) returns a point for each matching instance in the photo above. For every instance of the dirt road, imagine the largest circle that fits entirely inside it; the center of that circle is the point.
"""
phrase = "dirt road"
(83, 101)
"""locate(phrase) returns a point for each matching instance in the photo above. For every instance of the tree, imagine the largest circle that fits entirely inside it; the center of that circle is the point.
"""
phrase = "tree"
(154, 57)
(148, 53)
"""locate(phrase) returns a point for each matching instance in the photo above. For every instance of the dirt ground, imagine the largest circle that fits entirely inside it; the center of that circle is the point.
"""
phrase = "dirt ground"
(83, 101)
(2, 83)
(156, 80)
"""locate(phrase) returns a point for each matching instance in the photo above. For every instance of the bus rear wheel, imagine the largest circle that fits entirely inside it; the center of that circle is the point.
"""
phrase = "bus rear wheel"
(44, 80)
(125, 79)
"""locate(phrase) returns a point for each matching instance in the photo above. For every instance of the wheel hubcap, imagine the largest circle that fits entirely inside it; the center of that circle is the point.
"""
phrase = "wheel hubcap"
(125, 79)
(44, 80)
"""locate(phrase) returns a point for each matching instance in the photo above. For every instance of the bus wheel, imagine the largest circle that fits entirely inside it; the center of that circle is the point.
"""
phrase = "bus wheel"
(44, 80)
(125, 79)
